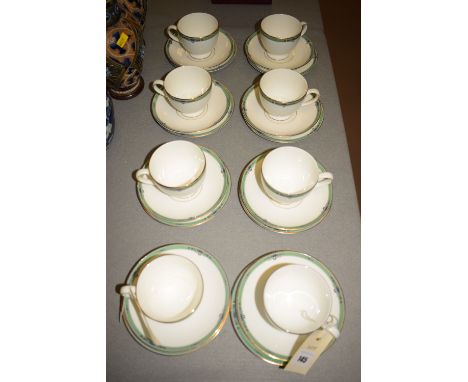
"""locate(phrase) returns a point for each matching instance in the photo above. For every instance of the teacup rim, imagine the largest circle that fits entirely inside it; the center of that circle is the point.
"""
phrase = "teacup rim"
(278, 102)
(322, 280)
(289, 195)
(198, 38)
(279, 39)
(192, 181)
(193, 99)
(142, 267)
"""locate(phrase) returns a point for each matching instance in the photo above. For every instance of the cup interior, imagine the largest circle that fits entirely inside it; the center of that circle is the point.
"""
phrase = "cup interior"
(197, 24)
(169, 288)
(283, 85)
(281, 26)
(187, 82)
(290, 170)
(177, 164)
(297, 299)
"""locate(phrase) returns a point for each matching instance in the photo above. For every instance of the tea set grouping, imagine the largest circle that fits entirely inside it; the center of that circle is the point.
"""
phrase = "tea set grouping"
(177, 298)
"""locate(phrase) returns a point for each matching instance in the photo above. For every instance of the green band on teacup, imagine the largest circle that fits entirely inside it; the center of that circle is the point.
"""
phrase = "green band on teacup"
(287, 196)
(187, 100)
(279, 102)
(277, 39)
(204, 38)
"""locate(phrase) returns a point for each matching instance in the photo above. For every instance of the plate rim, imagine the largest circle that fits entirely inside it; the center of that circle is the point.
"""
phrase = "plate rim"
(171, 351)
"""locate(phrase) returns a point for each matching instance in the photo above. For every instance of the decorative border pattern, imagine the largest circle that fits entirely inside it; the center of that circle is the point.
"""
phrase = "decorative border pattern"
(187, 100)
(145, 342)
(303, 69)
(192, 38)
(277, 39)
(268, 225)
(238, 317)
(195, 220)
(220, 123)
(316, 124)
(210, 69)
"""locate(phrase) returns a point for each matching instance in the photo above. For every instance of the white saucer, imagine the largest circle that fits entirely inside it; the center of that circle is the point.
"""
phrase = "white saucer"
(223, 54)
(212, 197)
(262, 338)
(301, 59)
(268, 214)
(203, 325)
(218, 112)
(303, 122)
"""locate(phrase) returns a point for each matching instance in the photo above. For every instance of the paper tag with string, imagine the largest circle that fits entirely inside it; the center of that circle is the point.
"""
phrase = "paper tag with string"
(309, 352)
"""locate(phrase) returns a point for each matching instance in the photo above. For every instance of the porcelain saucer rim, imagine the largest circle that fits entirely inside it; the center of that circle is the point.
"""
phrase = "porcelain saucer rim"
(315, 126)
(262, 69)
(200, 219)
(218, 125)
(210, 69)
(273, 227)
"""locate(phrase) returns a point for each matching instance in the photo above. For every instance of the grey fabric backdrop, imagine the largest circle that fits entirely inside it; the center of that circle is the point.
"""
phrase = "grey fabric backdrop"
(231, 236)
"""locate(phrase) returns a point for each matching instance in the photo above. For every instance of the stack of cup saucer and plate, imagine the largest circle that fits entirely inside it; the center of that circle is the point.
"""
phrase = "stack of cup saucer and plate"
(176, 299)
(282, 297)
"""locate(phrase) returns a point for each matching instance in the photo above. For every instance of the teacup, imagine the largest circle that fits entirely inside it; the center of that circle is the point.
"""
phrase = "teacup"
(283, 92)
(289, 174)
(298, 300)
(197, 33)
(177, 168)
(280, 33)
(167, 289)
(187, 89)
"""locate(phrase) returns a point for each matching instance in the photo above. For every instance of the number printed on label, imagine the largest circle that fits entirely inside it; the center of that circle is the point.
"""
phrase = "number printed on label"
(303, 358)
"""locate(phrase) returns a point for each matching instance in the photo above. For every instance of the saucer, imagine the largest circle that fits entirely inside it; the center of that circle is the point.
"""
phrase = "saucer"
(304, 121)
(218, 112)
(203, 325)
(301, 58)
(222, 55)
(269, 214)
(265, 340)
(212, 197)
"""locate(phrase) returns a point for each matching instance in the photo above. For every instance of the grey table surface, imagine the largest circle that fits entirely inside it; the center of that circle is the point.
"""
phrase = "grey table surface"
(231, 236)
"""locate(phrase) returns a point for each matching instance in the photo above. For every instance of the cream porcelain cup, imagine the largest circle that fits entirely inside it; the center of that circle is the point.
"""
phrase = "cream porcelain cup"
(283, 92)
(289, 174)
(168, 288)
(298, 300)
(197, 33)
(177, 168)
(279, 34)
(187, 89)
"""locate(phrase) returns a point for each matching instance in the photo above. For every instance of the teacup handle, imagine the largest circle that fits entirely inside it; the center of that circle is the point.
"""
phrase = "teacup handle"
(325, 178)
(304, 28)
(331, 326)
(127, 290)
(143, 176)
(172, 30)
(158, 86)
(314, 96)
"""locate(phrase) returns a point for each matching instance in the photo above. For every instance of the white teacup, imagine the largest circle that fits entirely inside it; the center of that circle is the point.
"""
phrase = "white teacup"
(168, 288)
(298, 300)
(187, 89)
(289, 174)
(280, 33)
(283, 92)
(197, 33)
(177, 168)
